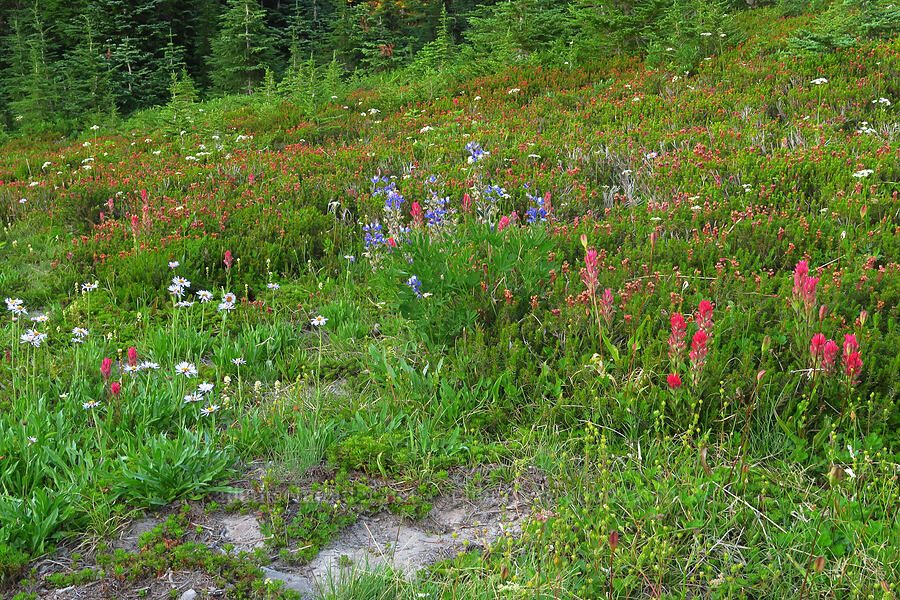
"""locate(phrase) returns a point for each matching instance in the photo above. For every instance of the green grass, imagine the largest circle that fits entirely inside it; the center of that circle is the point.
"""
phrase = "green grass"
(469, 344)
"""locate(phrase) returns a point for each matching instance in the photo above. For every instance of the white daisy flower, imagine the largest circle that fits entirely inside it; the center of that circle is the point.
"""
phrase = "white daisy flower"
(186, 369)
(318, 321)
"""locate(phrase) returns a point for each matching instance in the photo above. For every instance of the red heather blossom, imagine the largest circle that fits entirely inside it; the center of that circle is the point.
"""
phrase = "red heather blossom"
(677, 343)
(144, 196)
(115, 388)
(589, 274)
(134, 224)
(829, 355)
(674, 381)
(705, 315)
(132, 356)
(251, 178)
(467, 203)
(504, 223)
(417, 214)
(106, 368)
(228, 260)
(392, 242)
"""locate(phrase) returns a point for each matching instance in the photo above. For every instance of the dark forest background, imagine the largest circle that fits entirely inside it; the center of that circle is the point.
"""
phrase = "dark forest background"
(67, 63)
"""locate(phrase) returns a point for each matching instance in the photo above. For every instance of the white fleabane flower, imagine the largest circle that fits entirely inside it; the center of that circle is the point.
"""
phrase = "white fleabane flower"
(149, 366)
(181, 282)
(229, 297)
(318, 321)
(186, 369)
(174, 264)
(239, 361)
(89, 287)
(91, 404)
(205, 387)
(226, 306)
(192, 398)
(273, 286)
(819, 81)
(32, 337)
(208, 410)
(204, 296)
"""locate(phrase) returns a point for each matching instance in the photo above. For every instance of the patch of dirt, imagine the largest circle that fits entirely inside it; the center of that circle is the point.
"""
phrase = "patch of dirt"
(455, 523)
(203, 585)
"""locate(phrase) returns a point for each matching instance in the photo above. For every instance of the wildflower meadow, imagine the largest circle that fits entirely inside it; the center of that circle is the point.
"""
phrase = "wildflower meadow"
(647, 322)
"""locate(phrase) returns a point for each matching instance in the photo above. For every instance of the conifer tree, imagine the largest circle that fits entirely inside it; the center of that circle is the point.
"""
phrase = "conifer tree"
(242, 49)
(30, 82)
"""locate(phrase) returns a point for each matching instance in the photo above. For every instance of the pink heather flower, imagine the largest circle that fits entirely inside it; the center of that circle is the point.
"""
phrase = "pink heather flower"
(705, 315)
(132, 356)
(817, 347)
(251, 178)
(115, 388)
(109, 203)
(466, 203)
(144, 196)
(674, 381)
(106, 368)
(417, 214)
(800, 273)
(228, 260)
(677, 343)
(134, 224)
(829, 354)
(504, 223)
(392, 242)
(605, 304)
(589, 274)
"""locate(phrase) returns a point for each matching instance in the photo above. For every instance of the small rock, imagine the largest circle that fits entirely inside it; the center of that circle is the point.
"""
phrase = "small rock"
(189, 595)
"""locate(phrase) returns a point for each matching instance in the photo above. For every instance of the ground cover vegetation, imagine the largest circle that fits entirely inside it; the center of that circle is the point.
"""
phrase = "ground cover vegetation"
(654, 263)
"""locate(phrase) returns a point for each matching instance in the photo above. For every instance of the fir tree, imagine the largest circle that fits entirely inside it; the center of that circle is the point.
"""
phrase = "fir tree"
(243, 48)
